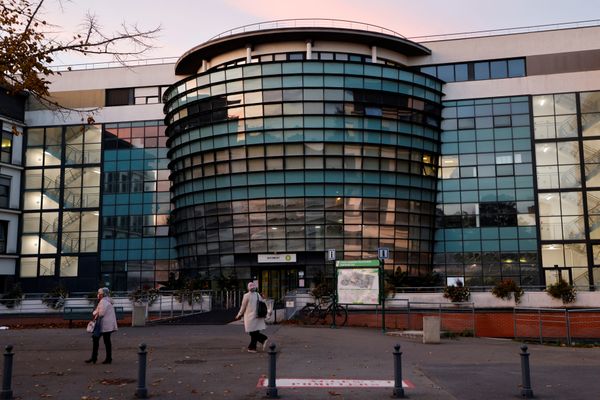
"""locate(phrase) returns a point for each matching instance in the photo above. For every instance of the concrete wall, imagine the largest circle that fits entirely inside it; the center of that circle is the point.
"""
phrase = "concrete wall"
(508, 46)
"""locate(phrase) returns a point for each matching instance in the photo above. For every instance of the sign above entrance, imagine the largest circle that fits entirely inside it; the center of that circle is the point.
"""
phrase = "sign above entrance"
(276, 258)
(357, 263)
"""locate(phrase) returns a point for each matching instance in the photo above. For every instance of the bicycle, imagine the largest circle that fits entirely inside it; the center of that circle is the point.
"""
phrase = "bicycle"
(312, 313)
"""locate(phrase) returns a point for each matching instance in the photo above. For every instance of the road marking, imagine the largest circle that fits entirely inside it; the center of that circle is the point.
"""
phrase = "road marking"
(331, 383)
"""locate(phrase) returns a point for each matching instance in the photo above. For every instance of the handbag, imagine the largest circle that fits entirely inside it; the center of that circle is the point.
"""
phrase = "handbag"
(90, 326)
(97, 331)
(261, 307)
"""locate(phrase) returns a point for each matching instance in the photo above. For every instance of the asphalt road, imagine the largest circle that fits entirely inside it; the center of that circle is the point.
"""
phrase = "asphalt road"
(211, 362)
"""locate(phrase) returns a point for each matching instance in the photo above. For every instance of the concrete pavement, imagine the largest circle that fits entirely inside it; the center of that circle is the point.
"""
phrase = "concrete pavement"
(211, 362)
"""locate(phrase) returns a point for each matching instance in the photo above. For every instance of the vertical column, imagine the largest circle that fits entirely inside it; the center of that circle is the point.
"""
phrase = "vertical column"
(309, 49)
(248, 53)
(374, 54)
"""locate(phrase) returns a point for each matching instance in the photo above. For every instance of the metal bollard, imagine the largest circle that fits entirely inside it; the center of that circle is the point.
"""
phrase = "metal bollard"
(272, 387)
(398, 388)
(7, 392)
(141, 392)
(526, 391)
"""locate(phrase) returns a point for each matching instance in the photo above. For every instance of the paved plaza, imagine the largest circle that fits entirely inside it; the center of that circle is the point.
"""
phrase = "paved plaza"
(211, 362)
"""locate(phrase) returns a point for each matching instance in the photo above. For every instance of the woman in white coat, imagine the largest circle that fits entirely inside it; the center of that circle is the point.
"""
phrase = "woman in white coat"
(252, 324)
(104, 314)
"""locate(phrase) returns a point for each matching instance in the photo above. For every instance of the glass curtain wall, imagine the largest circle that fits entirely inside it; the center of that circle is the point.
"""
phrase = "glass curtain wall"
(61, 200)
(567, 151)
(300, 157)
(486, 220)
(137, 251)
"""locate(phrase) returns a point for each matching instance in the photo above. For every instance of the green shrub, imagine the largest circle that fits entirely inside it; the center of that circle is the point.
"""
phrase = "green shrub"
(13, 297)
(56, 298)
(457, 294)
(506, 288)
(144, 295)
(563, 291)
(190, 290)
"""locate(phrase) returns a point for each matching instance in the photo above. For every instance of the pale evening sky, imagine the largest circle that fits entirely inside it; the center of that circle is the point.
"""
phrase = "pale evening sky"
(187, 23)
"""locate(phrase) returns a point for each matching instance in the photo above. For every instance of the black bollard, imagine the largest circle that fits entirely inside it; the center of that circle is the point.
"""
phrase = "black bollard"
(526, 391)
(141, 392)
(272, 387)
(7, 392)
(398, 388)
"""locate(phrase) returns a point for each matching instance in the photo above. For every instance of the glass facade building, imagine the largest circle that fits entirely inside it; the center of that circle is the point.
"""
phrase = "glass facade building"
(272, 146)
(95, 207)
(486, 228)
(301, 156)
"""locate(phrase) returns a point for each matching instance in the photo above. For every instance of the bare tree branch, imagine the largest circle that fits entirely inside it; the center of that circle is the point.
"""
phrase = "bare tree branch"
(28, 46)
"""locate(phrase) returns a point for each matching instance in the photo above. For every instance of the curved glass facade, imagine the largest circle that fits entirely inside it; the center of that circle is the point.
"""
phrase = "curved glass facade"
(299, 157)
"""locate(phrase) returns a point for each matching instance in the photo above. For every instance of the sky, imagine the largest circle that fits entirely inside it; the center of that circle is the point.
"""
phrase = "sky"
(187, 23)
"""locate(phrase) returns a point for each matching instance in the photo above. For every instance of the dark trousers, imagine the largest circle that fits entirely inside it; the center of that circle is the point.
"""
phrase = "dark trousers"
(107, 345)
(256, 336)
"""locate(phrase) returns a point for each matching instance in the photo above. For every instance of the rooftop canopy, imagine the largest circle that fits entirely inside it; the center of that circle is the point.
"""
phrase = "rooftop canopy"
(293, 30)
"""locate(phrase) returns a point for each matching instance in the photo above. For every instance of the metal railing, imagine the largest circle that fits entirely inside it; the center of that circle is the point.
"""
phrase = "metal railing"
(408, 315)
(561, 325)
(114, 64)
(167, 304)
(507, 31)
(331, 23)
(307, 23)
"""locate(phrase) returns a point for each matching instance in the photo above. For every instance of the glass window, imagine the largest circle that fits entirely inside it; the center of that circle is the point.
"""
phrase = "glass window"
(446, 73)
(429, 70)
(590, 124)
(68, 266)
(119, 97)
(498, 69)
(4, 191)
(543, 105)
(481, 70)
(28, 267)
(516, 68)
(6, 148)
(461, 72)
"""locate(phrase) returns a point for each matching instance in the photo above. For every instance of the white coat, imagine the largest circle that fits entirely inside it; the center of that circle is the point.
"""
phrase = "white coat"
(248, 311)
(106, 310)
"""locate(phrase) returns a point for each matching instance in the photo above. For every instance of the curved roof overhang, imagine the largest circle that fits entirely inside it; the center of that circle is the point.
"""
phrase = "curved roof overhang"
(190, 62)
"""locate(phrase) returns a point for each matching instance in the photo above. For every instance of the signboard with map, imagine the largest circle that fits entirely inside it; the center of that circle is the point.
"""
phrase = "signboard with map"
(358, 282)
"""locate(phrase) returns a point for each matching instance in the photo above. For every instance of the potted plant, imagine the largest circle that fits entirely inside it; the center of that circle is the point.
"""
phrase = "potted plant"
(142, 299)
(13, 297)
(457, 293)
(56, 298)
(507, 288)
(563, 291)
(145, 295)
(190, 292)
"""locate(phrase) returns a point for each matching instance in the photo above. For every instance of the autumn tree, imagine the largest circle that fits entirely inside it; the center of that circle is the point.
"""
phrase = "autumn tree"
(29, 44)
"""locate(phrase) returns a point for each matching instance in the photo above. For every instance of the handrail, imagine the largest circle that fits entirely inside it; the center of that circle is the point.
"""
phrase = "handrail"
(507, 31)
(114, 64)
(307, 23)
(421, 38)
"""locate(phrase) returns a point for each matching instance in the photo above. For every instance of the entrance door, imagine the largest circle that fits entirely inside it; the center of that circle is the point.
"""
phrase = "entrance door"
(276, 282)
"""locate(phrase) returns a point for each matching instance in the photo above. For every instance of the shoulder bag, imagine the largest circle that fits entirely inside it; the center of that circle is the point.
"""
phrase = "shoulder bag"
(97, 331)
(261, 307)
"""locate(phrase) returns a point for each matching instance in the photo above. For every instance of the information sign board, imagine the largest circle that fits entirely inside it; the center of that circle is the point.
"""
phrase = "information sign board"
(358, 282)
